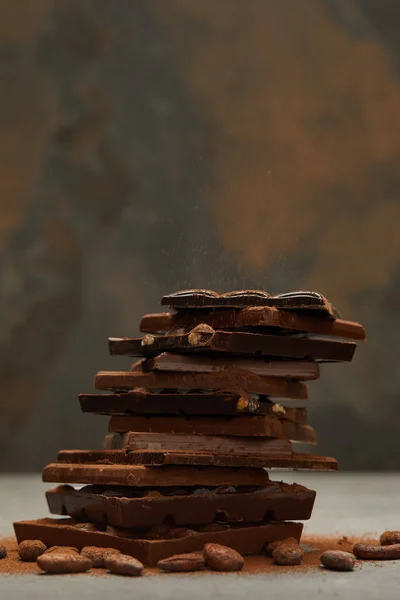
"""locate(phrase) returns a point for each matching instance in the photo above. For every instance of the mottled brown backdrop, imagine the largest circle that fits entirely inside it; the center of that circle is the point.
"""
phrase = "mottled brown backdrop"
(150, 145)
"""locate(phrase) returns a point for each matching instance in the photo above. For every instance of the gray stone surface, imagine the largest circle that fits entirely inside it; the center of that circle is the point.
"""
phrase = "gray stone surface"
(347, 504)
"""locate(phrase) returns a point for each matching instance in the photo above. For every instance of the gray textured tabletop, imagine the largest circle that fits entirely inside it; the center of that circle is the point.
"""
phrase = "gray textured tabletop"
(347, 504)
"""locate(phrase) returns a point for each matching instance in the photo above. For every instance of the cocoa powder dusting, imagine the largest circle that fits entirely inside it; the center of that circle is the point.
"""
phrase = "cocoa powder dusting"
(313, 547)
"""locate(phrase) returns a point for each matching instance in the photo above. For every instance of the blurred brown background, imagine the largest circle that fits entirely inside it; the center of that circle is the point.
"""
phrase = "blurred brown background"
(151, 145)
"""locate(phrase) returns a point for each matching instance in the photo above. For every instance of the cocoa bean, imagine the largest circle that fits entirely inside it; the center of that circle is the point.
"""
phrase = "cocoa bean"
(288, 554)
(98, 555)
(122, 564)
(222, 558)
(29, 550)
(337, 560)
(3, 551)
(57, 563)
(370, 552)
(271, 547)
(61, 550)
(182, 563)
(388, 538)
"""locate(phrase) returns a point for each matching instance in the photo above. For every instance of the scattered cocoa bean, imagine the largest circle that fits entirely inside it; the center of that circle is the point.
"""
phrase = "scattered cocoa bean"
(122, 564)
(271, 547)
(98, 555)
(3, 551)
(61, 550)
(29, 550)
(388, 538)
(337, 560)
(55, 562)
(182, 563)
(370, 552)
(222, 558)
(288, 554)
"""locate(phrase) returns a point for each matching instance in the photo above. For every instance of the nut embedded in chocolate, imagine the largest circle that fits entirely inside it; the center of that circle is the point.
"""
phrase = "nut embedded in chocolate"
(288, 554)
(337, 560)
(29, 550)
(57, 563)
(98, 555)
(182, 563)
(3, 551)
(200, 334)
(122, 564)
(271, 547)
(222, 558)
(388, 538)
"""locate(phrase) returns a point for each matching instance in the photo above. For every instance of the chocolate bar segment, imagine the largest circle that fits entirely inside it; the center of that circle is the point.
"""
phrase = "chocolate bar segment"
(133, 508)
(301, 370)
(66, 532)
(118, 468)
(266, 317)
(296, 301)
(273, 427)
(237, 446)
(141, 402)
(245, 344)
(225, 381)
(100, 465)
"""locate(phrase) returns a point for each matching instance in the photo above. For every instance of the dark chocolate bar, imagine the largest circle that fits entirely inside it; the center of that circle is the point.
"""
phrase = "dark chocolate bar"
(112, 467)
(269, 318)
(205, 339)
(301, 370)
(296, 301)
(228, 381)
(142, 402)
(203, 444)
(133, 508)
(273, 427)
(106, 467)
(66, 532)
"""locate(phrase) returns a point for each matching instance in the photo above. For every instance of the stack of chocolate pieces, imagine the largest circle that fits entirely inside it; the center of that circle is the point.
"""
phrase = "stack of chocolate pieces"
(208, 407)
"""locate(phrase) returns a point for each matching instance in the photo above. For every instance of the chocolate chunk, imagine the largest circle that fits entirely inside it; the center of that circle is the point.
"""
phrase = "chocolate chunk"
(97, 556)
(187, 404)
(57, 563)
(182, 563)
(125, 472)
(296, 301)
(277, 501)
(29, 550)
(226, 381)
(222, 558)
(241, 343)
(337, 560)
(182, 363)
(122, 564)
(269, 319)
(272, 427)
(246, 540)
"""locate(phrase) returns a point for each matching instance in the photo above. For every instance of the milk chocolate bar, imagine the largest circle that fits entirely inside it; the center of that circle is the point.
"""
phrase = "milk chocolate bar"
(201, 339)
(268, 319)
(142, 402)
(237, 446)
(67, 532)
(301, 370)
(296, 301)
(116, 467)
(226, 381)
(99, 466)
(272, 427)
(134, 507)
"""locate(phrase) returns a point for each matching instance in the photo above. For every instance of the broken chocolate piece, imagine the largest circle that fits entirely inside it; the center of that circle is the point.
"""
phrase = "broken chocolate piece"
(273, 427)
(115, 467)
(269, 318)
(225, 381)
(302, 370)
(296, 301)
(246, 540)
(245, 344)
(274, 502)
